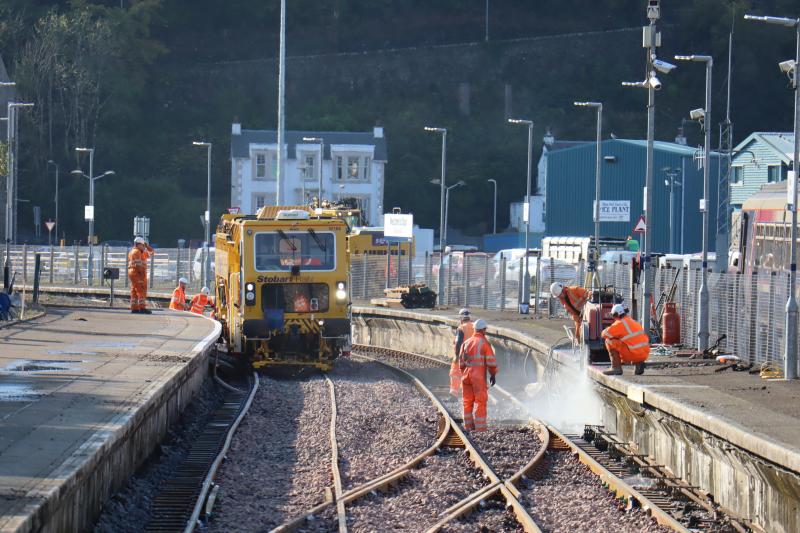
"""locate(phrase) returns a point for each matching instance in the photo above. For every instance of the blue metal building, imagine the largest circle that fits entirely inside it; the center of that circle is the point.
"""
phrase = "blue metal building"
(571, 191)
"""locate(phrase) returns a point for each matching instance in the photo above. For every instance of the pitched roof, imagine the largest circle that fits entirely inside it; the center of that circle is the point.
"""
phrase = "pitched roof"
(240, 144)
(561, 145)
(679, 149)
(781, 143)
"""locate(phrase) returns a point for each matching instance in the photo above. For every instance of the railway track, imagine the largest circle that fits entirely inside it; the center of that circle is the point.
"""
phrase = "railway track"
(511, 489)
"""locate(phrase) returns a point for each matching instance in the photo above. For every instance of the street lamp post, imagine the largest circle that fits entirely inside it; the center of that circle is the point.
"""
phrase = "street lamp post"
(597, 170)
(494, 211)
(281, 107)
(55, 225)
(92, 178)
(790, 326)
(651, 41)
(11, 167)
(321, 142)
(442, 229)
(525, 294)
(704, 114)
(207, 217)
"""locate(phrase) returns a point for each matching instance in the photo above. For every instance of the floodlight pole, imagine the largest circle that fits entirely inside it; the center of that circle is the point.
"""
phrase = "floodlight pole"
(442, 206)
(525, 294)
(703, 318)
(790, 325)
(597, 169)
(281, 163)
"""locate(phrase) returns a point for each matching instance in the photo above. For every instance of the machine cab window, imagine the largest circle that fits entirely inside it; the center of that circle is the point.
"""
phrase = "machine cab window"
(280, 251)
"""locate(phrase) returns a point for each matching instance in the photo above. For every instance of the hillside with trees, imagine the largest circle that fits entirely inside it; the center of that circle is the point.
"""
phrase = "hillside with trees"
(141, 79)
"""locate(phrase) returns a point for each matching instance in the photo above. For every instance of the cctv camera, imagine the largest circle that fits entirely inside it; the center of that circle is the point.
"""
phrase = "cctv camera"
(654, 83)
(787, 66)
(653, 11)
(697, 114)
(663, 67)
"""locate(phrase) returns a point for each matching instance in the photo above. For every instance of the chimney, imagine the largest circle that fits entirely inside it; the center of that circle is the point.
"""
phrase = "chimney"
(377, 130)
(236, 128)
(548, 138)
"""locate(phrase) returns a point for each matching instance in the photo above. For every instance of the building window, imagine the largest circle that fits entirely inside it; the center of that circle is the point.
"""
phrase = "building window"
(308, 167)
(259, 201)
(353, 168)
(264, 166)
(737, 174)
(773, 173)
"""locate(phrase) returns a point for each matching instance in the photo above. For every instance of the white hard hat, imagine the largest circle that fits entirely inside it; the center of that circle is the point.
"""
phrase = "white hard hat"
(464, 313)
(138, 240)
(184, 281)
(556, 289)
(480, 324)
(618, 310)
(204, 290)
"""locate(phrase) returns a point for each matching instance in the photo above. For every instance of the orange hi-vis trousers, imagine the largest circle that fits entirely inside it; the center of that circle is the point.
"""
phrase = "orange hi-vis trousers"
(477, 358)
(138, 293)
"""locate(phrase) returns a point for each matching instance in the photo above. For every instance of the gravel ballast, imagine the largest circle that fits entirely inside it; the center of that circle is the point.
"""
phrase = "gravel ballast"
(569, 498)
(279, 461)
(383, 422)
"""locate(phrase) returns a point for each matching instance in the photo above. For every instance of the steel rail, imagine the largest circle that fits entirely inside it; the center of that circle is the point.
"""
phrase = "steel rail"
(208, 482)
(337, 478)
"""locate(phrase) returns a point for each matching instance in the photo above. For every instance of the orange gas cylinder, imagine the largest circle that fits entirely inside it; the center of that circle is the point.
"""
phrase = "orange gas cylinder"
(671, 324)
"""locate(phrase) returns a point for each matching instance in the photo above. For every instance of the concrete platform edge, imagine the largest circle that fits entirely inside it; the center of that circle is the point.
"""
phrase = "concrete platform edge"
(763, 447)
(100, 466)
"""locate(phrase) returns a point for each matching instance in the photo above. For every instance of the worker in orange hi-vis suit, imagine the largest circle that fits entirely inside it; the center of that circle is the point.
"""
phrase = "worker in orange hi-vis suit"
(464, 331)
(573, 298)
(178, 301)
(137, 274)
(626, 342)
(200, 301)
(477, 358)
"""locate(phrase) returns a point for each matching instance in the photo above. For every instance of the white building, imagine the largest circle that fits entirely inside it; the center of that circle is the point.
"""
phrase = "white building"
(354, 166)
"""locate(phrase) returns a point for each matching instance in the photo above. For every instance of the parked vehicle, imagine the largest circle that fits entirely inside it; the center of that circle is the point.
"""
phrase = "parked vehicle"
(197, 264)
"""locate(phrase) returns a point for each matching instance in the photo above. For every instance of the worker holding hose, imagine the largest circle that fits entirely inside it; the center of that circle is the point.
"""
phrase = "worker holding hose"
(573, 298)
(464, 332)
(626, 342)
(476, 360)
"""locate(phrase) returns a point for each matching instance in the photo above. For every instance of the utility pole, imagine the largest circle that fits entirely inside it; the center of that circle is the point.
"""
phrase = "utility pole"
(207, 216)
(494, 211)
(525, 294)
(725, 160)
(442, 207)
(597, 170)
(281, 108)
(12, 187)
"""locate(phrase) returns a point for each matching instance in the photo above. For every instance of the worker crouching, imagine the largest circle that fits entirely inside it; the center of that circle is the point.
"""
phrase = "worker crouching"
(137, 274)
(573, 298)
(200, 301)
(178, 301)
(626, 342)
(476, 360)
(464, 332)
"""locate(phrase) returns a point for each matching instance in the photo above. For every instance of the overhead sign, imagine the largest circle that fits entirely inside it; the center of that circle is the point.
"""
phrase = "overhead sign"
(50, 224)
(614, 210)
(399, 226)
(88, 212)
(641, 225)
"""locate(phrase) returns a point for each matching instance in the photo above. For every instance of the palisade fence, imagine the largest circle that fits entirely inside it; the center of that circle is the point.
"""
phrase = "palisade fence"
(749, 309)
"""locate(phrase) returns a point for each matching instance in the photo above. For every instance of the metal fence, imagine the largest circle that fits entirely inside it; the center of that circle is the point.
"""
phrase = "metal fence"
(70, 265)
(749, 309)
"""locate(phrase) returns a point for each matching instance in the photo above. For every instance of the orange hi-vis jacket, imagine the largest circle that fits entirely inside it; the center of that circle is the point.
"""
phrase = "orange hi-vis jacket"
(629, 338)
(573, 298)
(463, 333)
(137, 262)
(199, 303)
(178, 301)
(477, 357)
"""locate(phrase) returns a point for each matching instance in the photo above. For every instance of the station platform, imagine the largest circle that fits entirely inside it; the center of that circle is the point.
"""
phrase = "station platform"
(757, 415)
(85, 396)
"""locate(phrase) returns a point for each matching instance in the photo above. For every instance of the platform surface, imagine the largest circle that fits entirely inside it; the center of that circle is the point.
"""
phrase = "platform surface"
(758, 415)
(70, 379)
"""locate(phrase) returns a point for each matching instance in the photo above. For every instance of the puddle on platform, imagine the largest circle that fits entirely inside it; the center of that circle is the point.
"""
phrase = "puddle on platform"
(31, 366)
(15, 392)
(69, 352)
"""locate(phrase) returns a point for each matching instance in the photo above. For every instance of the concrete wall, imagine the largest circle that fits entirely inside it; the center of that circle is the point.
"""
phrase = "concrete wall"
(75, 505)
(753, 488)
